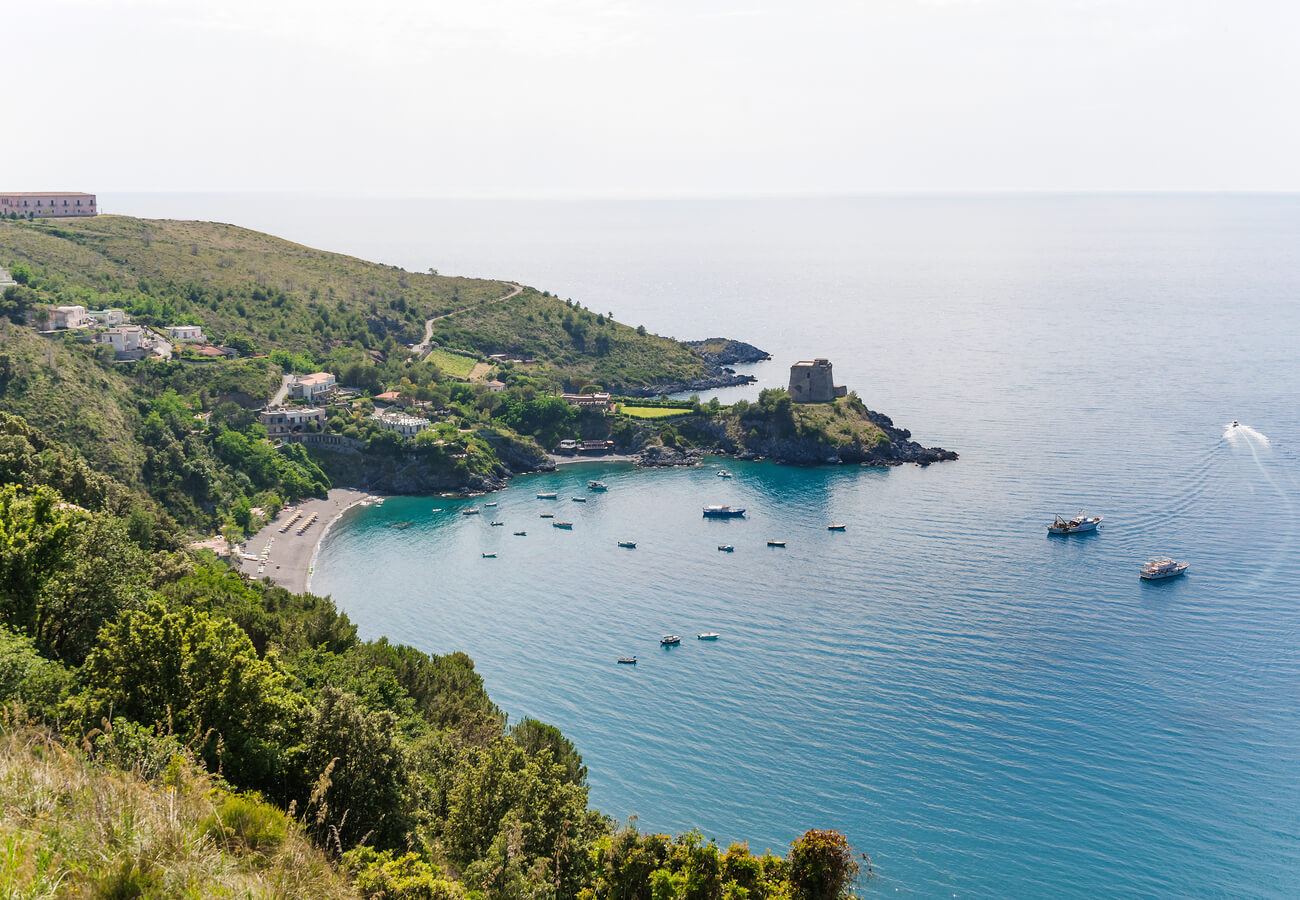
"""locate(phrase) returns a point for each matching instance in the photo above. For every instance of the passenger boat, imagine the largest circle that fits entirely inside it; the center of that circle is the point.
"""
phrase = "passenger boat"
(520, 533)
(669, 640)
(631, 545)
(1077, 525)
(498, 523)
(472, 511)
(489, 556)
(707, 636)
(548, 495)
(776, 543)
(723, 512)
(597, 486)
(1161, 567)
(562, 524)
(547, 516)
(627, 660)
(835, 526)
(578, 499)
(726, 548)
(723, 473)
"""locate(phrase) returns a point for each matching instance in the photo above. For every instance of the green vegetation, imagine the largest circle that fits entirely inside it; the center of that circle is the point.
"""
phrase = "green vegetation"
(651, 412)
(455, 364)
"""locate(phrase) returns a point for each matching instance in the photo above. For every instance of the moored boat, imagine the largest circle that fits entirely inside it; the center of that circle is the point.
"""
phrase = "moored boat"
(631, 545)
(489, 556)
(669, 640)
(776, 543)
(726, 548)
(547, 516)
(723, 473)
(723, 512)
(627, 660)
(520, 533)
(1161, 567)
(562, 524)
(489, 504)
(707, 636)
(578, 499)
(498, 523)
(835, 526)
(472, 511)
(597, 486)
(1078, 525)
(548, 495)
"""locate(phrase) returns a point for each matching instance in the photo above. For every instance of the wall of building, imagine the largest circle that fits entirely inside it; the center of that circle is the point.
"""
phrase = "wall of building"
(52, 203)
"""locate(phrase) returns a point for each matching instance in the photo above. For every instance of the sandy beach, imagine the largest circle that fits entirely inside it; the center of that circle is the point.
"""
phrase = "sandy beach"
(286, 558)
(607, 458)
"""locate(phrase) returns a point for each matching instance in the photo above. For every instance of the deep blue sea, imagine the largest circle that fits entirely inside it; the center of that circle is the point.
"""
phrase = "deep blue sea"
(985, 710)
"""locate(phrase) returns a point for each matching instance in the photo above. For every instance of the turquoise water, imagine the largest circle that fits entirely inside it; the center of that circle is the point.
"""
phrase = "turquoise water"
(986, 711)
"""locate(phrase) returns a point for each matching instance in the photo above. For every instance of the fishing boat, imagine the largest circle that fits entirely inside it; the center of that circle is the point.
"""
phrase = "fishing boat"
(498, 523)
(707, 636)
(520, 533)
(472, 511)
(723, 473)
(548, 495)
(1078, 525)
(776, 543)
(627, 660)
(578, 499)
(489, 556)
(1161, 567)
(489, 504)
(835, 526)
(562, 524)
(547, 516)
(723, 512)
(669, 640)
(631, 545)
(726, 548)
(597, 486)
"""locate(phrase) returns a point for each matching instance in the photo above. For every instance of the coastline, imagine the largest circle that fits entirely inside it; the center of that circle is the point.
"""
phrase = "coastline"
(288, 559)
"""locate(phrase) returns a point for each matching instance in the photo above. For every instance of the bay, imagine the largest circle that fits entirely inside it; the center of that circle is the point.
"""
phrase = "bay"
(987, 711)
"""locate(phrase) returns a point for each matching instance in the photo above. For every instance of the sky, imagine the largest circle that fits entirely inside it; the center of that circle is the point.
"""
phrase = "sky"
(648, 97)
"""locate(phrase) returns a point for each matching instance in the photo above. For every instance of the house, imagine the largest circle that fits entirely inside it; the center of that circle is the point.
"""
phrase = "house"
(108, 317)
(495, 387)
(185, 333)
(68, 317)
(281, 421)
(309, 387)
(388, 396)
(406, 426)
(208, 350)
(587, 401)
(47, 203)
(126, 340)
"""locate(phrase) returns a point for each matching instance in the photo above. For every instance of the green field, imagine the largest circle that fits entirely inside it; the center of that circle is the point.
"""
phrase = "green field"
(453, 364)
(652, 412)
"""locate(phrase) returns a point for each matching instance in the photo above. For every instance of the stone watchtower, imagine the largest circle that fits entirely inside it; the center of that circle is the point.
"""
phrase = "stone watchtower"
(811, 382)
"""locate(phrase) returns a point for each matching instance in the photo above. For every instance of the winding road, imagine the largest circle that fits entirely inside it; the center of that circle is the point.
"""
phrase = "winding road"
(425, 345)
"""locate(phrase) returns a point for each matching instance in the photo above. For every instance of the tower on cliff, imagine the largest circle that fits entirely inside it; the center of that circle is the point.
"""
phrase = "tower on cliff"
(812, 382)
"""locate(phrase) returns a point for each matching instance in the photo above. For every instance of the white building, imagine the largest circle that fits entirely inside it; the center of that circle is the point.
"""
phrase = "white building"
(68, 317)
(280, 420)
(495, 387)
(109, 317)
(185, 333)
(124, 338)
(309, 387)
(406, 426)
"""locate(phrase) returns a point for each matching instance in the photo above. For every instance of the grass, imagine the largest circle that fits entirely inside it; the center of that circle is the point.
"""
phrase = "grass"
(651, 412)
(69, 828)
(454, 364)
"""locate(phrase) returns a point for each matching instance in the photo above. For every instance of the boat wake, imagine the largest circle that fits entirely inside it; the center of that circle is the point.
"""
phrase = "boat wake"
(1236, 432)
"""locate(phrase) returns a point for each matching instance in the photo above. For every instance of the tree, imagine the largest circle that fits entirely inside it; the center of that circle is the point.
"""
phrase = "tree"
(823, 866)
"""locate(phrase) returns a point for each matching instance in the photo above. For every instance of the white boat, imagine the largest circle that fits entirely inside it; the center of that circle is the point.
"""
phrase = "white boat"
(578, 499)
(723, 473)
(776, 543)
(548, 495)
(489, 556)
(726, 548)
(597, 486)
(630, 545)
(707, 636)
(1078, 525)
(489, 504)
(669, 640)
(472, 511)
(1161, 567)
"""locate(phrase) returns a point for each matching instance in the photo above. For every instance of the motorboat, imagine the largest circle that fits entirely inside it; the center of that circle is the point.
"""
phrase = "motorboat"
(548, 495)
(498, 523)
(1161, 567)
(630, 545)
(1235, 423)
(562, 524)
(547, 516)
(707, 636)
(472, 511)
(669, 640)
(835, 526)
(520, 533)
(489, 504)
(578, 499)
(437, 509)
(723, 473)
(489, 556)
(726, 548)
(776, 543)
(627, 660)
(597, 486)
(1078, 525)
(723, 512)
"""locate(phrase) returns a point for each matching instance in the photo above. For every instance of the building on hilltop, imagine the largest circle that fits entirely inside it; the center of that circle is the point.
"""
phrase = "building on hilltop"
(47, 203)
(186, 333)
(109, 317)
(599, 400)
(406, 426)
(812, 382)
(68, 317)
(127, 341)
(309, 387)
(283, 421)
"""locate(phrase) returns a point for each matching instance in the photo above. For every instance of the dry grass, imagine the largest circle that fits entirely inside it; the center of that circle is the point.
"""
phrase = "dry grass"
(71, 829)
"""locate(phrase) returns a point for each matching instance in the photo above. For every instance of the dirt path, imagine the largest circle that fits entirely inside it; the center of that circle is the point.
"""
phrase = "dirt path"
(425, 345)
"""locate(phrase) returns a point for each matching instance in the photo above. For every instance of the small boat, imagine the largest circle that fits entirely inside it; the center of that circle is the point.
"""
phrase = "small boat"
(707, 636)
(1235, 423)
(547, 516)
(723, 473)
(472, 511)
(520, 533)
(723, 512)
(578, 499)
(562, 524)
(498, 523)
(1078, 525)
(597, 486)
(631, 545)
(437, 509)
(400, 526)
(669, 640)
(548, 495)
(726, 548)
(489, 504)
(776, 543)
(489, 556)
(1161, 567)
(627, 660)
(835, 526)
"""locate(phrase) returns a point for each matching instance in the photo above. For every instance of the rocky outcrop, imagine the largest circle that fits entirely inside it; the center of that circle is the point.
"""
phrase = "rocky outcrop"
(726, 352)
(725, 378)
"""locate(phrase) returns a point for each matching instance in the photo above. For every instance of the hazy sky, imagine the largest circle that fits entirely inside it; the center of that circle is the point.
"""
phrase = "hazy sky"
(649, 96)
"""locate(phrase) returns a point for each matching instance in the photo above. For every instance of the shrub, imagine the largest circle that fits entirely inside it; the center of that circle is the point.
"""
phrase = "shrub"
(244, 820)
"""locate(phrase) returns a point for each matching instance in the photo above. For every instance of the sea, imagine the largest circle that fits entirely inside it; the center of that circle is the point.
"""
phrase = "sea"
(983, 709)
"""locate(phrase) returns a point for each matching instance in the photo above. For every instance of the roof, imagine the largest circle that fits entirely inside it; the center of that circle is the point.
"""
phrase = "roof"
(387, 395)
(44, 194)
(316, 378)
